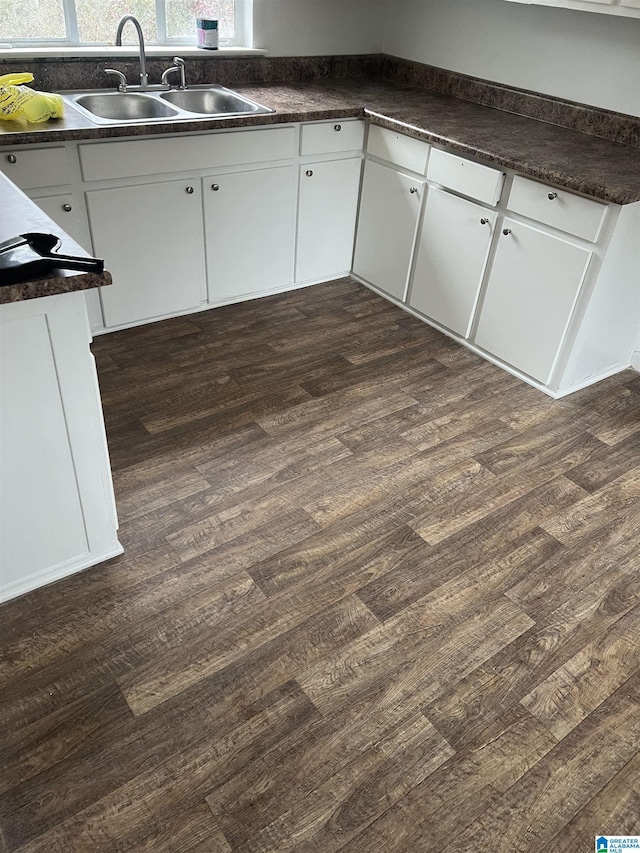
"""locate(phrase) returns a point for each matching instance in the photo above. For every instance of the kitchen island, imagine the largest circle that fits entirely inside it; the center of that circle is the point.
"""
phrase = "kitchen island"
(57, 510)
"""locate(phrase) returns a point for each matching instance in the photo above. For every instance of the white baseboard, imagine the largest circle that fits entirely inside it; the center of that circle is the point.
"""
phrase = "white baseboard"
(635, 360)
(35, 581)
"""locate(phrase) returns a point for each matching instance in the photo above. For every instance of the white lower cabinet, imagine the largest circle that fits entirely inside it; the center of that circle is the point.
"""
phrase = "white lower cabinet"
(389, 208)
(66, 212)
(57, 512)
(150, 236)
(451, 256)
(248, 222)
(530, 297)
(327, 208)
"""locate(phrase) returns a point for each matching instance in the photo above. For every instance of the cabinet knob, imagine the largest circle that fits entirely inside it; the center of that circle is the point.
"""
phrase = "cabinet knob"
(215, 187)
(506, 231)
(337, 128)
(11, 158)
(67, 208)
(484, 221)
(309, 173)
(551, 196)
(413, 190)
(189, 190)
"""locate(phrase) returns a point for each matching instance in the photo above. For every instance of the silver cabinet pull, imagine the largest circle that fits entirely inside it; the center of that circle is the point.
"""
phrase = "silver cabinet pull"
(484, 221)
(189, 190)
(506, 231)
(337, 127)
(309, 173)
(11, 158)
(551, 196)
(67, 208)
(215, 187)
(413, 190)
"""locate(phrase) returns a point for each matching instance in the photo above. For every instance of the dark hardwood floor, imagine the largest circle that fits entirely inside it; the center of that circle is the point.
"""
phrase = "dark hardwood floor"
(377, 596)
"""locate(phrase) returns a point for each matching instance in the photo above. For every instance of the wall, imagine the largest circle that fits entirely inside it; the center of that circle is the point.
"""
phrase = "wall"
(581, 56)
(318, 27)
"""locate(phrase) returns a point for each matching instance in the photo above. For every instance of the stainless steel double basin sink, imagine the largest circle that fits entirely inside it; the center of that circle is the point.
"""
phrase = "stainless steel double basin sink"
(173, 104)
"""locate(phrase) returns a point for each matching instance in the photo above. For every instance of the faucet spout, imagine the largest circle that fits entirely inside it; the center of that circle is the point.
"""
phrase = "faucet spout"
(144, 77)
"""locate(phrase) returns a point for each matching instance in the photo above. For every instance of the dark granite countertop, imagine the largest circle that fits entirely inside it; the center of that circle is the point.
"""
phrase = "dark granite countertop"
(558, 155)
(19, 215)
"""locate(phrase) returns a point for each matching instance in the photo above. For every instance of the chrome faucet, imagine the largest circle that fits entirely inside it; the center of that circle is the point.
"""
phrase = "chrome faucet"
(178, 65)
(144, 78)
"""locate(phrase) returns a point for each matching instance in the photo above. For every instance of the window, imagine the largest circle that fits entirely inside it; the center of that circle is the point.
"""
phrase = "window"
(48, 23)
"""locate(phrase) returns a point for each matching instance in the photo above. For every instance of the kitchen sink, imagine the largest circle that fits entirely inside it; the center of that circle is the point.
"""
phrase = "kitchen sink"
(213, 101)
(166, 105)
(125, 106)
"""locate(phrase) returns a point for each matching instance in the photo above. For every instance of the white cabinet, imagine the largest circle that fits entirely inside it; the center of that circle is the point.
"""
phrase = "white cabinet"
(451, 256)
(530, 297)
(631, 8)
(66, 212)
(57, 513)
(249, 220)
(389, 209)
(327, 207)
(150, 236)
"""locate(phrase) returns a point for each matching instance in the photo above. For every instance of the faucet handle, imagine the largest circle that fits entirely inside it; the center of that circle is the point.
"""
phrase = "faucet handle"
(179, 64)
(122, 80)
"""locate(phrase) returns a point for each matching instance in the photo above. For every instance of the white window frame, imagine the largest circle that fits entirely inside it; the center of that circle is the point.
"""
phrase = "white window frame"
(242, 38)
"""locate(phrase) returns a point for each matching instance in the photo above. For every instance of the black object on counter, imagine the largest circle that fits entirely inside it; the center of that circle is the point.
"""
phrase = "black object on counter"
(30, 255)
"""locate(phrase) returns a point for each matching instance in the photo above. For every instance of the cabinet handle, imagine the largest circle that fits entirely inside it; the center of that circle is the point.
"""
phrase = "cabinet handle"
(215, 187)
(189, 190)
(551, 196)
(506, 231)
(67, 208)
(11, 158)
(413, 190)
(309, 173)
(484, 221)
(337, 128)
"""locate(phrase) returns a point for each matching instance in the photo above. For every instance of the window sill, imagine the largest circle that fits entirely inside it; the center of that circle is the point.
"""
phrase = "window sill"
(105, 51)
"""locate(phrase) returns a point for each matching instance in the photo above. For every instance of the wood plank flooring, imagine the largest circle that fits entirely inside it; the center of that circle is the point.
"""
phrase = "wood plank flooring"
(377, 596)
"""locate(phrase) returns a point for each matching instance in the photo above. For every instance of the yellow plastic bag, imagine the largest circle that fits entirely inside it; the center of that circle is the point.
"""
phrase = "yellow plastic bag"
(20, 103)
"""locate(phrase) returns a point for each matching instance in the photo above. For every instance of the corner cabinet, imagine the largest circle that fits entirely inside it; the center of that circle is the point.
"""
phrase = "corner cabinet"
(328, 191)
(530, 298)
(451, 256)
(389, 209)
(542, 281)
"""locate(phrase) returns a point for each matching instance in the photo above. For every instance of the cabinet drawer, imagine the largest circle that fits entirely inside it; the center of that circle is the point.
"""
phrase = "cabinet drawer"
(329, 137)
(37, 167)
(131, 158)
(399, 149)
(464, 176)
(558, 208)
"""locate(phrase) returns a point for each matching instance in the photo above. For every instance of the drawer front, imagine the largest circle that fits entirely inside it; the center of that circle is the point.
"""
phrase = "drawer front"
(131, 158)
(466, 177)
(397, 148)
(36, 167)
(330, 137)
(558, 208)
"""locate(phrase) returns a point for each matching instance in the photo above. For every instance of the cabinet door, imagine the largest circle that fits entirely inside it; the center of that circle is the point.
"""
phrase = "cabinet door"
(451, 257)
(327, 207)
(150, 237)
(530, 297)
(248, 232)
(64, 212)
(389, 208)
